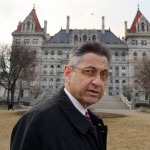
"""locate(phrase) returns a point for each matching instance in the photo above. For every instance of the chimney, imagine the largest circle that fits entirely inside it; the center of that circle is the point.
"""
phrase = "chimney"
(103, 25)
(67, 26)
(125, 25)
(45, 26)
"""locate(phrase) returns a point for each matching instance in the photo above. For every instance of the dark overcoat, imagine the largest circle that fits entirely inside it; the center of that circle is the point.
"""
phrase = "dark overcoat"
(55, 124)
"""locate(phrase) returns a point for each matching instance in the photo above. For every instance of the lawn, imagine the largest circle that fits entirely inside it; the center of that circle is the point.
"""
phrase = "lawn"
(125, 133)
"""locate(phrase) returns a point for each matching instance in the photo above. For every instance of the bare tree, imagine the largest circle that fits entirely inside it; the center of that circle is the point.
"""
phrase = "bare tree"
(143, 76)
(15, 63)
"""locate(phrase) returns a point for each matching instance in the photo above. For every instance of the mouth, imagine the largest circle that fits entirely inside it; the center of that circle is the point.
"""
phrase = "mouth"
(93, 92)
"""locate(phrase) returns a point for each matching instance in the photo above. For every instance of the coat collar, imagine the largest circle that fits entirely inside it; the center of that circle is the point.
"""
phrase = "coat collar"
(76, 118)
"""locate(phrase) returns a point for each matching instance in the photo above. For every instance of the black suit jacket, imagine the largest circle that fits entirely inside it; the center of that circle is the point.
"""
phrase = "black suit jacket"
(55, 124)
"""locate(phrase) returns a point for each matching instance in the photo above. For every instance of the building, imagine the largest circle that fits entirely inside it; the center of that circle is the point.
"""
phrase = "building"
(53, 52)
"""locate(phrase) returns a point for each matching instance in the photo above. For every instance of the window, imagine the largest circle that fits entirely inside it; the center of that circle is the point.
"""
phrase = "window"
(52, 55)
(58, 68)
(46, 55)
(144, 55)
(136, 84)
(84, 38)
(135, 55)
(51, 69)
(134, 42)
(117, 71)
(44, 82)
(28, 41)
(25, 41)
(45, 69)
(93, 38)
(116, 56)
(59, 55)
(28, 25)
(57, 83)
(123, 71)
(136, 96)
(124, 85)
(51, 83)
(143, 42)
(142, 26)
(117, 84)
(110, 85)
(123, 55)
(75, 39)
(110, 71)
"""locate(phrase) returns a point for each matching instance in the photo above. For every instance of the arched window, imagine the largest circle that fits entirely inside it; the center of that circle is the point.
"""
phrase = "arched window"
(51, 83)
(135, 55)
(116, 56)
(93, 38)
(45, 69)
(123, 70)
(52, 55)
(51, 69)
(123, 55)
(84, 38)
(124, 85)
(46, 55)
(58, 68)
(144, 55)
(57, 83)
(28, 25)
(59, 55)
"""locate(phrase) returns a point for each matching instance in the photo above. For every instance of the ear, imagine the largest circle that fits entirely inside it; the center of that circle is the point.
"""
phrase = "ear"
(67, 71)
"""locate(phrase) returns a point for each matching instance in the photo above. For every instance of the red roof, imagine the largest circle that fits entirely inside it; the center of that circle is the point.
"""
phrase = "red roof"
(35, 18)
(133, 27)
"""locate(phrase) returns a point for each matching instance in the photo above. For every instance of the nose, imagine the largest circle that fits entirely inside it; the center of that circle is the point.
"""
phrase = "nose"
(97, 81)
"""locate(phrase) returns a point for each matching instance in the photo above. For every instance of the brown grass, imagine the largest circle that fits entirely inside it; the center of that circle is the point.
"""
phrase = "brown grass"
(125, 133)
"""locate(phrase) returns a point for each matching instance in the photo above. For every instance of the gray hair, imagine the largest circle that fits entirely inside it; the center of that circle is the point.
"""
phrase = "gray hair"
(88, 47)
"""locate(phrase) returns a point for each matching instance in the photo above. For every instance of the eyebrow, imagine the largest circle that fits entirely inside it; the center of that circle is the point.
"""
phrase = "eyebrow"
(96, 69)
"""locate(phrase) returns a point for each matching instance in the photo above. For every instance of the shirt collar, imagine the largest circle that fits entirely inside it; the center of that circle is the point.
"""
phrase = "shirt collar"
(76, 102)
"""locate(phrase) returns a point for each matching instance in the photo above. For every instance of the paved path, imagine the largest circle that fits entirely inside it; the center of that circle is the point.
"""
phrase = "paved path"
(123, 111)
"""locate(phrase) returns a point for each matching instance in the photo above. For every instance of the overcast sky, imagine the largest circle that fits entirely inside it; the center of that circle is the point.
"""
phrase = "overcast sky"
(84, 14)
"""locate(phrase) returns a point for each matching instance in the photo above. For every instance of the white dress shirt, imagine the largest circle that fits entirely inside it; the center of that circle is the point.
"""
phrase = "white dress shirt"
(76, 102)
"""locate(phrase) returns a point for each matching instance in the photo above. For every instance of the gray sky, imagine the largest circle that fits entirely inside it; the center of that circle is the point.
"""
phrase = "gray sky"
(84, 14)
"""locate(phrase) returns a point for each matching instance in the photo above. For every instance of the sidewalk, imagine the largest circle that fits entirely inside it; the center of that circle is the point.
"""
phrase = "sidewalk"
(122, 111)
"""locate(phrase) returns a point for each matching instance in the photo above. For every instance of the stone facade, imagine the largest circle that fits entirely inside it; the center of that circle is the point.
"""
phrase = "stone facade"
(53, 52)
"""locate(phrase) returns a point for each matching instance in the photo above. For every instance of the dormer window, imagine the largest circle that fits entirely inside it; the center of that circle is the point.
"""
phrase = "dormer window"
(142, 26)
(28, 25)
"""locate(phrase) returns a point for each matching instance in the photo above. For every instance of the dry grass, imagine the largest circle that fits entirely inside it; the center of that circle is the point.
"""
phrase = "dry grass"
(125, 133)
(7, 121)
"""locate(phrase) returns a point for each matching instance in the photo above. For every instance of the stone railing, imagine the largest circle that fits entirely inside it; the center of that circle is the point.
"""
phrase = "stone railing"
(126, 101)
(39, 98)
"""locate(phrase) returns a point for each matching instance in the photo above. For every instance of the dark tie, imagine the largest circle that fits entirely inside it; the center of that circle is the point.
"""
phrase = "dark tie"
(88, 118)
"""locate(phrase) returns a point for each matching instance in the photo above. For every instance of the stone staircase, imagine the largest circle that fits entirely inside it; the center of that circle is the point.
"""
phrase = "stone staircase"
(107, 102)
(110, 102)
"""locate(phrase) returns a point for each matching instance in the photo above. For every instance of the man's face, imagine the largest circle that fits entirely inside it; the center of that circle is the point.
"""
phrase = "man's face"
(87, 80)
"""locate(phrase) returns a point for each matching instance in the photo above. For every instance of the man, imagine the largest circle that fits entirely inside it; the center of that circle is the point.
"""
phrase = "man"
(60, 123)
